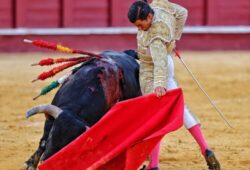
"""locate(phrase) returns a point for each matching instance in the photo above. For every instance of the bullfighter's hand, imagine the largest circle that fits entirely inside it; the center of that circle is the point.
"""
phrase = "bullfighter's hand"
(171, 46)
(160, 91)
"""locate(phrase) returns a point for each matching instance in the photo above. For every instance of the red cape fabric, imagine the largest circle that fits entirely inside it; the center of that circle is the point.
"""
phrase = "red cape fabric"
(124, 137)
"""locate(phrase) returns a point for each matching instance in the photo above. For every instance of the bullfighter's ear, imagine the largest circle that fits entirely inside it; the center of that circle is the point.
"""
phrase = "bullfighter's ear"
(132, 53)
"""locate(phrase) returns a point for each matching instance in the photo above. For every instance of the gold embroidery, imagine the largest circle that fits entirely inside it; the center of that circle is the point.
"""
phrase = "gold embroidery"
(158, 30)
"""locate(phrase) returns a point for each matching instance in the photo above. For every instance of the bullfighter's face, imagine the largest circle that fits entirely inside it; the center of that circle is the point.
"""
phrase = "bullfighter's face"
(144, 24)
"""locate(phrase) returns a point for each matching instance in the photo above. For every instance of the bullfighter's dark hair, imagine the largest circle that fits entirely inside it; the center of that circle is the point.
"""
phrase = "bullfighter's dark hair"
(139, 10)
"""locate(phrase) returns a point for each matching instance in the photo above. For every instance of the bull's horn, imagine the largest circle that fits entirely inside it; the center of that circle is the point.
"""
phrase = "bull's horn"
(52, 110)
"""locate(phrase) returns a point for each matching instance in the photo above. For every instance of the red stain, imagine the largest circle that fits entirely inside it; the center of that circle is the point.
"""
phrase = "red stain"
(111, 79)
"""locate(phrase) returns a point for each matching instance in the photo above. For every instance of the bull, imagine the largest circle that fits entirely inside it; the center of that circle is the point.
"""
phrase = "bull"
(84, 98)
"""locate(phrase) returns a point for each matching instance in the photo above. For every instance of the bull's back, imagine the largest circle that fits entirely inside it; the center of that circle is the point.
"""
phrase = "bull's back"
(94, 88)
(82, 94)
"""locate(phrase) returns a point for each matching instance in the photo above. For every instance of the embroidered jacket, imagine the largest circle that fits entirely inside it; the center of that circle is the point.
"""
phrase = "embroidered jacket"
(154, 44)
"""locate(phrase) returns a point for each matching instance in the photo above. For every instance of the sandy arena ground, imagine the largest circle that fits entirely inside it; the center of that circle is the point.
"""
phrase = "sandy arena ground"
(225, 76)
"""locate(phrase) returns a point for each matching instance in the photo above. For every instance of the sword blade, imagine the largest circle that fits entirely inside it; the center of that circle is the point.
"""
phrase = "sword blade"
(202, 89)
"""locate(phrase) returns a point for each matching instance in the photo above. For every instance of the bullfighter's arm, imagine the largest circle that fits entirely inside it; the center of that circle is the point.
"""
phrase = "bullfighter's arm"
(181, 15)
(159, 55)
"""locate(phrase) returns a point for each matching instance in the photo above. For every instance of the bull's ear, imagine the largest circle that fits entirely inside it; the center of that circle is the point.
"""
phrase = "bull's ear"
(132, 53)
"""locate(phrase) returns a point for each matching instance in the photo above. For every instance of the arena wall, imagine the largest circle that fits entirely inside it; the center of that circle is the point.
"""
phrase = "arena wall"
(53, 19)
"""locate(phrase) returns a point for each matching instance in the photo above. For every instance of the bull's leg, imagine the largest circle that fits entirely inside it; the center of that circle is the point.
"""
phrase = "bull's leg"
(65, 129)
(33, 161)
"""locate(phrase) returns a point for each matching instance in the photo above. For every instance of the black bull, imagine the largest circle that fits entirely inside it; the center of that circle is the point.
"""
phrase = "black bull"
(85, 97)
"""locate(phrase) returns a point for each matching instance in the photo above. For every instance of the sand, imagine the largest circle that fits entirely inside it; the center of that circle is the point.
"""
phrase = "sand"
(224, 75)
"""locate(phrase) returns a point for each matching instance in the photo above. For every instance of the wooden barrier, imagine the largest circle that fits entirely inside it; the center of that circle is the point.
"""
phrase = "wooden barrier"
(86, 13)
(225, 12)
(38, 14)
(6, 14)
(119, 12)
(112, 13)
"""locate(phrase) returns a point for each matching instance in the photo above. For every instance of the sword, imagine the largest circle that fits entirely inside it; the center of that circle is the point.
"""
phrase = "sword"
(202, 89)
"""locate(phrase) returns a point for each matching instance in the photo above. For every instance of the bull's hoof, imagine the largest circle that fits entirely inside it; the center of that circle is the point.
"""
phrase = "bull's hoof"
(31, 164)
(144, 168)
(212, 162)
(28, 167)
